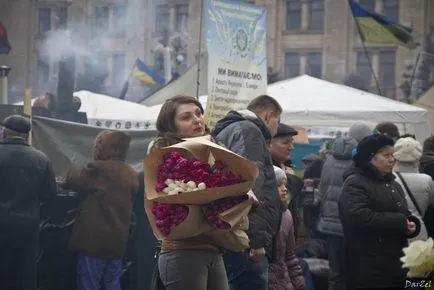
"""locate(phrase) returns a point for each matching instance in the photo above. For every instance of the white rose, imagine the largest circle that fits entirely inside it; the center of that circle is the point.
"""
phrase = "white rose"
(169, 181)
(419, 258)
(191, 184)
(201, 186)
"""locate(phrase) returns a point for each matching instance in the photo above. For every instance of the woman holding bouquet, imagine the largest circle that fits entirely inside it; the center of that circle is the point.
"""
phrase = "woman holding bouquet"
(192, 263)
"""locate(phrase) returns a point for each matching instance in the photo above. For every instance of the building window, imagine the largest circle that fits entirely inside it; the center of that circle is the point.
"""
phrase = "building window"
(387, 68)
(314, 64)
(162, 16)
(118, 68)
(391, 9)
(293, 14)
(43, 68)
(44, 21)
(363, 67)
(159, 63)
(181, 17)
(119, 20)
(62, 18)
(101, 19)
(292, 64)
(316, 17)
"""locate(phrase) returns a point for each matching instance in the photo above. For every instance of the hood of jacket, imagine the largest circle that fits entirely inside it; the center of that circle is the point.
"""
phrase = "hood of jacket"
(343, 148)
(111, 145)
(370, 171)
(244, 115)
(427, 159)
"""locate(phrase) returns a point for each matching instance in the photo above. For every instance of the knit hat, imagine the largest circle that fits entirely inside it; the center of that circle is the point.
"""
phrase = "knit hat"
(407, 150)
(369, 146)
(280, 174)
(17, 123)
(359, 130)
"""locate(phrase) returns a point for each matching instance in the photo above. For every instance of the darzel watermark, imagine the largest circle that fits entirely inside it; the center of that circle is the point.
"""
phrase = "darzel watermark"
(419, 283)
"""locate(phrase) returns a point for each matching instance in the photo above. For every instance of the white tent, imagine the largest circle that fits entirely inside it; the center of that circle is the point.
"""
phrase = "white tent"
(308, 101)
(105, 107)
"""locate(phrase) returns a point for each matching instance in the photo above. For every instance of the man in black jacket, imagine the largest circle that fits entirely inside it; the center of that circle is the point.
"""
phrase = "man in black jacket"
(26, 179)
(247, 133)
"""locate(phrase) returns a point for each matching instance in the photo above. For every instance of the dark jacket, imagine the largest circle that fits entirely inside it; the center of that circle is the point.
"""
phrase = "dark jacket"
(108, 185)
(374, 214)
(246, 134)
(332, 180)
(26, 179)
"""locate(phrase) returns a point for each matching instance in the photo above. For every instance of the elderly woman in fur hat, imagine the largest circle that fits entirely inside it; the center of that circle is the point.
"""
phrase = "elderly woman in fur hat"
(375, 218)
(100, 233)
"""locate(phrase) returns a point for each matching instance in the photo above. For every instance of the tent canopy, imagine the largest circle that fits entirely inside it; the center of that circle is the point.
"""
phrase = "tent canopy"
(105, 107)
(308, 101)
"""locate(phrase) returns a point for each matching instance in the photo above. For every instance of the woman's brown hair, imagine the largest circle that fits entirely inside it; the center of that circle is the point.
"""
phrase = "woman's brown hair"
(166, 118)
(166, 127)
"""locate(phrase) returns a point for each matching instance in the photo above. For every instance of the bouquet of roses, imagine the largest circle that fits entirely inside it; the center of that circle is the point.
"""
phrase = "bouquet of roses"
(194, 187)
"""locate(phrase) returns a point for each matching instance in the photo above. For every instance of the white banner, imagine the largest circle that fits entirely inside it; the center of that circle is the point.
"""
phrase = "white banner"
(237, 62)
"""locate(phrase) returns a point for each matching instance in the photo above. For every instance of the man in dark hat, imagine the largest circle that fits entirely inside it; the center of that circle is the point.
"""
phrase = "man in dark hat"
(26, 179)
(281, 147)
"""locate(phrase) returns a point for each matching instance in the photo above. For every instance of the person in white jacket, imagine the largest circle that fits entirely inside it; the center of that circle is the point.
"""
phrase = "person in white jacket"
(408, 152)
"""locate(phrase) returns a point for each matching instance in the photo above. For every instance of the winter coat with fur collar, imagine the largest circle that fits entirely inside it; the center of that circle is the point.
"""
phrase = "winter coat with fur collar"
(108, 185)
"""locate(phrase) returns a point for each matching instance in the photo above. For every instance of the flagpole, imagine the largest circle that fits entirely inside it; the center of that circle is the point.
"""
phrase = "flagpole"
(200, 49)
(124, 90)
(412, 75)
(377, 83)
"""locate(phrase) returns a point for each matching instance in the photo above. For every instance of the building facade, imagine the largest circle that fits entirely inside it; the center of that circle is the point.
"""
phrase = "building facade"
(317, 37)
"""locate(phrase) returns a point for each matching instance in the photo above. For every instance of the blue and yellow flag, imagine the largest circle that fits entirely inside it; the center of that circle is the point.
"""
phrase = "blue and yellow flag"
(147, 75)
(375, 28)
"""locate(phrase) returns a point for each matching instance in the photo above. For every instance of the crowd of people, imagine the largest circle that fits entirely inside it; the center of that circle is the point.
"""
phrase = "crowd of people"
(374, 192)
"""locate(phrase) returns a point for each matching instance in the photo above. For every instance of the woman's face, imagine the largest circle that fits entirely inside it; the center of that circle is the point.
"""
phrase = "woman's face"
(189, 121)
(383, 160)
(284, 195)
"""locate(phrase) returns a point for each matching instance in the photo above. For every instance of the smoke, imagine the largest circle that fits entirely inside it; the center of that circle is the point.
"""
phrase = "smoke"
(94, 49)
(92, 42)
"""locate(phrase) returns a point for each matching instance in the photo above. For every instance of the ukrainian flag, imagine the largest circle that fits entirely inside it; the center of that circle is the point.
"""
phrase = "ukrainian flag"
(147, 75)
(375, 28)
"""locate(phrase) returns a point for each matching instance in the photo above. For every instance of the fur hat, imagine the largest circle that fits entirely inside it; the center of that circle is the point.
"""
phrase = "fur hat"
(359, 130)
(280, 174)
(407, 150)
(369, 146)
(111, 145)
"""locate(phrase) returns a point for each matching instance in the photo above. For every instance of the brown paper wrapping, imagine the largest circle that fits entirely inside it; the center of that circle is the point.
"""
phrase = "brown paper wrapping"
(194, 225)
(236, 240)
(236, 216)
(204, 150)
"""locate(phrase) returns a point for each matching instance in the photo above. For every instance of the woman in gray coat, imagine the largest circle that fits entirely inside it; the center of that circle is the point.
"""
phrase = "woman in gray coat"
(407, 154)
